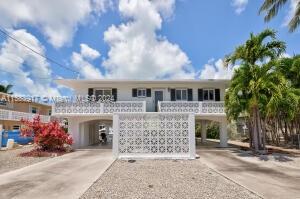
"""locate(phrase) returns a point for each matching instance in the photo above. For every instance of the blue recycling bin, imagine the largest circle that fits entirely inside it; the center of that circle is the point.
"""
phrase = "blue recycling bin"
(16, 135)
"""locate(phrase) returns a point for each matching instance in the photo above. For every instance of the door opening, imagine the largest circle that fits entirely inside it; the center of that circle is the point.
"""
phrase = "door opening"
(158, 96)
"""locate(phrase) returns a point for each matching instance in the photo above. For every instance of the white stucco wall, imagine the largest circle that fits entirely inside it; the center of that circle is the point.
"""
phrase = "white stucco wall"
(124, 91)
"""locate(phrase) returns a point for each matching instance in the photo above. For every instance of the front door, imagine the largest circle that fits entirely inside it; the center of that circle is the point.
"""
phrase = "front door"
(158, 96)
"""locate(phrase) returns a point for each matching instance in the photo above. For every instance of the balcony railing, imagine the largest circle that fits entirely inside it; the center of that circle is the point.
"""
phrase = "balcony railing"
(192, 107)
(96, 108)
(17, 116)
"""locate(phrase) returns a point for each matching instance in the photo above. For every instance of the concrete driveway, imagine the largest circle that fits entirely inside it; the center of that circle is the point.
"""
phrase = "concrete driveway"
(268, 178)
(68, 176)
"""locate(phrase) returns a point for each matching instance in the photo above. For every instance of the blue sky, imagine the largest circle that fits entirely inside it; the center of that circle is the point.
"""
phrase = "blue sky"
(127, 39)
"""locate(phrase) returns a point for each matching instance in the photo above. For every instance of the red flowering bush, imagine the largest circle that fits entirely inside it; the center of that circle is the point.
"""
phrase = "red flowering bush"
(47, 136)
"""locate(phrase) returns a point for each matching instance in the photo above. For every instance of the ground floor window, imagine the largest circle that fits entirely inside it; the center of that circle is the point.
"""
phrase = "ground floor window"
(34, 110)
(16, 127)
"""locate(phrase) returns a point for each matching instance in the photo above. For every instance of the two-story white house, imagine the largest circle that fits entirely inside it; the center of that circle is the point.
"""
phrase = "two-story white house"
(203, 98)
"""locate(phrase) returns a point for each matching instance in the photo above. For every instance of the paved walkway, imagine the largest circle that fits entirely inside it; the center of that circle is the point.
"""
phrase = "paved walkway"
(68, 176)
(269, 147)
(270, 179)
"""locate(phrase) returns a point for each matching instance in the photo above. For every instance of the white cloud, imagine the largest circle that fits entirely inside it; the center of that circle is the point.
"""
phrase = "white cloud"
(166, 7)
(88, 52)
(25, 69)
(56, 19)
(291, 12)
(135, 49)
(286, 55)
(216, 70)
(82, 64)
(239, 5)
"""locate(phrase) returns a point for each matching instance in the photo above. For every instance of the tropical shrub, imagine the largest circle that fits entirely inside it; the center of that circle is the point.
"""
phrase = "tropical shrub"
(47, 136)
(198, 131)
(213, 131)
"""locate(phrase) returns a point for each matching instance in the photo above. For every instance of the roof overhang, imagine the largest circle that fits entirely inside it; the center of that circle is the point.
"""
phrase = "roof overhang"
(74, 83)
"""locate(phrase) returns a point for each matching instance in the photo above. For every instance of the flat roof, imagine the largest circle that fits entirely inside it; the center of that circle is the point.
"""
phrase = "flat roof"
(73, 82)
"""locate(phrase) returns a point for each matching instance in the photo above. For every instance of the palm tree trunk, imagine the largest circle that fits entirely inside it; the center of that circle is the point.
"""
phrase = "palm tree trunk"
(250, 130)
(264, 132)
(259, 130)
(255, 130)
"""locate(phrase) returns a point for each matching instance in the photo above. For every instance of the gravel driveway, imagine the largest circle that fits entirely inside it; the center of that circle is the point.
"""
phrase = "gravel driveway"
(164, 179)
(9, 160)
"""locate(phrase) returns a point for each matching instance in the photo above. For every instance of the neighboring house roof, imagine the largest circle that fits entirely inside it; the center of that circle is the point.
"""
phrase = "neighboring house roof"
(73, 83)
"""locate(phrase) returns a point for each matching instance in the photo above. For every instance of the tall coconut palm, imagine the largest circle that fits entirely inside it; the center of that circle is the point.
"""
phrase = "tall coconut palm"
(255, 81)
(271, 8)
(6, 89)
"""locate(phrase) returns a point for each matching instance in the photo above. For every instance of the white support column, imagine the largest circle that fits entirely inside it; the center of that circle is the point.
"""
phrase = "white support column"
(192, 136)
(203, 131)
(74, 131)
(116, 135)
(223, 134)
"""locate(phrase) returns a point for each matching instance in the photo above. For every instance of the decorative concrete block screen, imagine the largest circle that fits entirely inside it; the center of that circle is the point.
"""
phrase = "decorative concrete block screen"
(154, 135)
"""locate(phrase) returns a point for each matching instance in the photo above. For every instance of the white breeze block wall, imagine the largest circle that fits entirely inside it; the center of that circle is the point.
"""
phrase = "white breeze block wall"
(154, 135)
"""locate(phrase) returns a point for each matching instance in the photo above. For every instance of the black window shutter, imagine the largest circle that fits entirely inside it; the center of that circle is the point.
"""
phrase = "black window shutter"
(148, 90)
(173, 95)
(90, 91)
(190, 94)
(200, 94)
(217, 94)
(114, 93)
(134, 92)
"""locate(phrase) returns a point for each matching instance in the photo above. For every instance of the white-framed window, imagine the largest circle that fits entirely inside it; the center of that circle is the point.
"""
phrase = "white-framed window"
(3, 102)
(102, 92)
(141, 92)
(16, 127)
(34, 110)
(181, 94)
(208, 94)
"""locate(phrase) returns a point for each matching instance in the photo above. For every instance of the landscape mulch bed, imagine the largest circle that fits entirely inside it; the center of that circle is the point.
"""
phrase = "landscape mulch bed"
(42, 153)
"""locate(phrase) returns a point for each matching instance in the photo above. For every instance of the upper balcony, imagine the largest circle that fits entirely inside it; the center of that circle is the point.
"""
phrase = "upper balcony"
(17, 116)
(91, 108)
(199, 108)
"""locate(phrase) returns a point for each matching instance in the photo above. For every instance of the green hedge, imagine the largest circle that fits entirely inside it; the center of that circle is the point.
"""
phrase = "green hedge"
(213, 131)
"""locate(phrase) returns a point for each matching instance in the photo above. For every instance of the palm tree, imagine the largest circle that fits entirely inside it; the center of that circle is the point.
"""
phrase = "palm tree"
(6, 89)
(290, 68)
(271, 8)
(255, 81)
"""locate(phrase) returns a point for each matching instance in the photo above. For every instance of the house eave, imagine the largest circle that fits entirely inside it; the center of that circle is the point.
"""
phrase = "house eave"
(73, 83)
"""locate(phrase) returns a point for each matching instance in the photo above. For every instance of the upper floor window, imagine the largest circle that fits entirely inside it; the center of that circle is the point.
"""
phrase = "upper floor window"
(181, 94)
(208, 94)
(34, 110)
(141, 92)
(102, 92)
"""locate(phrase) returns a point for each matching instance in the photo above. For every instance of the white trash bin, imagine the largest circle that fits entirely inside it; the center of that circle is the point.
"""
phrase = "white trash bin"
(10, 143)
